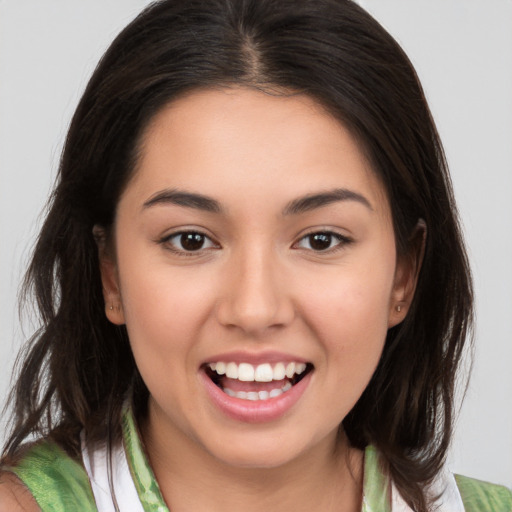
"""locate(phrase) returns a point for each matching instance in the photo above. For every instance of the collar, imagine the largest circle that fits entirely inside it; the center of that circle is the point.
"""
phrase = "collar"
(136, 489)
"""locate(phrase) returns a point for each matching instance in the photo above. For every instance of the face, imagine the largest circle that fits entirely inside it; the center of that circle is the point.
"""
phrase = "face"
(255, 268)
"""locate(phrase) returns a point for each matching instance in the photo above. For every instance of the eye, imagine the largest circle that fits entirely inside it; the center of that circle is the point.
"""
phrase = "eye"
(189, 241)
(322, 241)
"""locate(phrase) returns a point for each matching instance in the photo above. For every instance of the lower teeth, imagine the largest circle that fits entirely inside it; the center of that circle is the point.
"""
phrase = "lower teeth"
(258, 395)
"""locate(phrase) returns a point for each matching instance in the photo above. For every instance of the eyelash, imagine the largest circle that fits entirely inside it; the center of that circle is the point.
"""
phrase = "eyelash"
(342, 241)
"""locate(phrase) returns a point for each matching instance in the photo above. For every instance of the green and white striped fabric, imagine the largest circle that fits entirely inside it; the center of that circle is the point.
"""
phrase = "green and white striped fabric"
(60, 484)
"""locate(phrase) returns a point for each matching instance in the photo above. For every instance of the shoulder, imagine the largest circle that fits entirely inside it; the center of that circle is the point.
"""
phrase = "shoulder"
(14, 496)
(483, 496)
(51, 478)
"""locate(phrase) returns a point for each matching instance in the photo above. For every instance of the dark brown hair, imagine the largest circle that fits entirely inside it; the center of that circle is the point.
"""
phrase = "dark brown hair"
(77, 369)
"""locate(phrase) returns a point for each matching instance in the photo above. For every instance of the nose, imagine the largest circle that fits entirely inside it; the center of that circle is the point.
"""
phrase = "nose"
(255, 296)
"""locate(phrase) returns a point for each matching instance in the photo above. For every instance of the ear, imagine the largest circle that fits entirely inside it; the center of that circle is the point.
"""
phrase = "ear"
(109, 278)
(406, 275)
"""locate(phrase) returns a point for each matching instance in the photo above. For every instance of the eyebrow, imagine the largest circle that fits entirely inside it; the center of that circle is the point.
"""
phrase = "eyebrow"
(187, 199)
(314, 201)
(295, 207)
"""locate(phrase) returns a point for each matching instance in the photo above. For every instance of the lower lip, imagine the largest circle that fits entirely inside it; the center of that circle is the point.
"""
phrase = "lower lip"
(257, 411)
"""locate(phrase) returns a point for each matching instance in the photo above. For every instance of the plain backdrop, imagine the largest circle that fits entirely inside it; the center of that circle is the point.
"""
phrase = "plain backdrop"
(462, 50)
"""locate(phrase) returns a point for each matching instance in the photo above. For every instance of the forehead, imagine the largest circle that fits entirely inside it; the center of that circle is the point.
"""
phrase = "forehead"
(242, 140)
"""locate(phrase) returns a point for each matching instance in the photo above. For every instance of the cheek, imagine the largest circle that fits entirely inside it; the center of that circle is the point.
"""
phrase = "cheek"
(158, 296)
(164, 307)
(164, 312)
(348, 309)
(351, 301)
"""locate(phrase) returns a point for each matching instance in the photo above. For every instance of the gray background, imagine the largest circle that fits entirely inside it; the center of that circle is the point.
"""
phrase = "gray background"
(462, 50)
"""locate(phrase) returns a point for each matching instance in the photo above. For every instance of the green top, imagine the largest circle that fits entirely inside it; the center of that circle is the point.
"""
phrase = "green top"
(57, 482)
(482, 496)
(60, 484)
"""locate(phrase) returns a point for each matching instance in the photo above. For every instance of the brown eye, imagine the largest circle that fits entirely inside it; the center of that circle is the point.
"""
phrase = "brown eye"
(322, 241)
(189, 241)
(192, 241)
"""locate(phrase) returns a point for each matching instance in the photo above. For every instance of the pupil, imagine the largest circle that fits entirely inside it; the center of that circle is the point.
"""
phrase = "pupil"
(320, 241)
(192, 241)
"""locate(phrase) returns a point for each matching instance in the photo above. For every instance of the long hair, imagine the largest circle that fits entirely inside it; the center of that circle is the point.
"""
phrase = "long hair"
(77, 369)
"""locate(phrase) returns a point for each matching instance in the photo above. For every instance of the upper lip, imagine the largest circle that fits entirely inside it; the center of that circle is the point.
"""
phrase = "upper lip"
(255, 358)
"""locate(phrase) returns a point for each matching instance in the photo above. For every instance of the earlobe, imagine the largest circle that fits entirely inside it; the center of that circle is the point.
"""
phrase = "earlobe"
(406, 275)
(109, 278)
(111, 294)
(114, 312)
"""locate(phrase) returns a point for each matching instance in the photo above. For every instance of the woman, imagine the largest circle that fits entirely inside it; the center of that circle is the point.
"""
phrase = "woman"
(251, 278)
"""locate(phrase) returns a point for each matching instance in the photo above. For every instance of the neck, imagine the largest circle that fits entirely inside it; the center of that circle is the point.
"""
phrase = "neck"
(327, 477)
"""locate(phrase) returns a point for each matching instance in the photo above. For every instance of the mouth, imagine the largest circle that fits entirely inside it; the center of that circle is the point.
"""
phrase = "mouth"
(262, 382)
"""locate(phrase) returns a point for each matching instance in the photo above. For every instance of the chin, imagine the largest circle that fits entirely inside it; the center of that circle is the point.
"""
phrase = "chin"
(264, 451)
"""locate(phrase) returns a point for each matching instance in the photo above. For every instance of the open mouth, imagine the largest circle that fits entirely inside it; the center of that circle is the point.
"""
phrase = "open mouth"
(256, 382)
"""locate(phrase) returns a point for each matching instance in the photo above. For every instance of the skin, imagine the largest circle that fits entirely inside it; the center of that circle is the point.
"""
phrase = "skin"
(14, 496)
(257, 286)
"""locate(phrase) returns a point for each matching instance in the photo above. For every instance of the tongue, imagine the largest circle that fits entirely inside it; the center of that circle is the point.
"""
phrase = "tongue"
(238, 385)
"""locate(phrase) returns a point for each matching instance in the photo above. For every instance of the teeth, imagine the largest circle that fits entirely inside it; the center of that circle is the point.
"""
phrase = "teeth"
(279, 371)
(290, 370)
(245, 372)
(286, 387)
(258, 395)
(261, 373)
(300, 368)
(231, 370)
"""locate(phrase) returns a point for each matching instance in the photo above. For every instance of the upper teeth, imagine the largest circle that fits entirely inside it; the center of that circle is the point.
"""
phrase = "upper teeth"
(261, 373)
